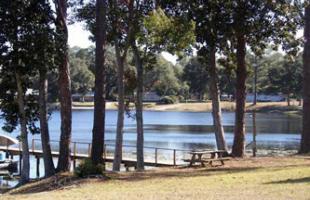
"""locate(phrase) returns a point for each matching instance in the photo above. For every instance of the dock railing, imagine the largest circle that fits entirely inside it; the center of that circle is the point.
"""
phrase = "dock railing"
(169, 156)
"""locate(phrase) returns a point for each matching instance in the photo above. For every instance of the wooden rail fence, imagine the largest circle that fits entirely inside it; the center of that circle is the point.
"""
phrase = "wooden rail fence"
(75, 155)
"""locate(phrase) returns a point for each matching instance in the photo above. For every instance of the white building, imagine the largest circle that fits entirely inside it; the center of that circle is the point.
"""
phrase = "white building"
(265, 98)
(151, 97)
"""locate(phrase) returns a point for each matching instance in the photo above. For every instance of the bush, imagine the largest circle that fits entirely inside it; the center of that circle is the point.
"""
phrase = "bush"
(87, 168)
(181, 98)
(168, 100)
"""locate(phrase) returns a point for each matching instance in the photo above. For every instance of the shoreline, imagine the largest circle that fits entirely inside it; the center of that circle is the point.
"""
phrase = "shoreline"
(261, 107)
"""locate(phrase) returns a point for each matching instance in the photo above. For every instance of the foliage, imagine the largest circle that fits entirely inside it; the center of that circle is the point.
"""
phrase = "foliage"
(82, 78)
(162, 78)
(169, 100)
(168, 33)
(286, 77)
(87, 168)
(26, 47)
(196, 76)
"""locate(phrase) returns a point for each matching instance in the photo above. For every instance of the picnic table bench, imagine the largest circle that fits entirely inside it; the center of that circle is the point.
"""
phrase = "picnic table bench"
(199, 157)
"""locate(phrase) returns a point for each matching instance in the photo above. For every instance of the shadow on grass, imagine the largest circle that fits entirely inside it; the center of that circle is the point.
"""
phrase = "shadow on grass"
(66, 181)
(69, 181)
(180, 173)
(291, 181)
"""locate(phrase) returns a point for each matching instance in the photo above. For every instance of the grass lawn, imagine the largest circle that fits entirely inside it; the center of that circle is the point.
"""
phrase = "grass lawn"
(259, 178)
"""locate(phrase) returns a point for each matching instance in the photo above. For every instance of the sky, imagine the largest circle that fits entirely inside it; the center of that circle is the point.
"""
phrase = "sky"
(78, 36)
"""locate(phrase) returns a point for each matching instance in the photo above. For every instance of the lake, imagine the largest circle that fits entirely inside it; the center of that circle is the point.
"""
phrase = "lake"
(276, 133)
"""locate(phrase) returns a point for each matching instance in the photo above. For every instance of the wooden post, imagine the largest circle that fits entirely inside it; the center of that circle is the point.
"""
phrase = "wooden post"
(7, 150)
(105, 151)
(156, 155)
(38, 166)
(74, 154)
(33, 145)
(20, 163)
(254, 134)
(89, 149)
(174, 157)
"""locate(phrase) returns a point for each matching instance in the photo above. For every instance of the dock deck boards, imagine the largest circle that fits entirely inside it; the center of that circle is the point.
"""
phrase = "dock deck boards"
(79, 156)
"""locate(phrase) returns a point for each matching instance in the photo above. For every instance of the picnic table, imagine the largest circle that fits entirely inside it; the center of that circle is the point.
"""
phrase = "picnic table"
(208, 157)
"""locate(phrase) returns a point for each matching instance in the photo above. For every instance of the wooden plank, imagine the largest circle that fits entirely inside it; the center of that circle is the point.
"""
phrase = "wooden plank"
(207, 152)
(174, 157)
(16, 151)
(38, 166)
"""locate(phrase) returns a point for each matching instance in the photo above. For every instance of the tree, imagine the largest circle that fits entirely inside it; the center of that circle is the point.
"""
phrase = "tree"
(99, 101)
(43, 40)
(211, 36)
(18, 41)
(160, 76)
(256, 23)
(121, 14)
(149, 29)
(137, 11)
(125, 24)
(196, 75)
(285, 77)
(305, 136)
(82, 78)
(64, 83)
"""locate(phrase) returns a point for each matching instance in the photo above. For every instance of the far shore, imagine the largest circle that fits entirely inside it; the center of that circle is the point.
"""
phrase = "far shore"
(280, 107)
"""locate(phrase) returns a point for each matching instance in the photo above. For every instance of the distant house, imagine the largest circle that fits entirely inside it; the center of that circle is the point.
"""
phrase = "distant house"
(265, 98)
(226, 97)
(151, 97)
(88, 97)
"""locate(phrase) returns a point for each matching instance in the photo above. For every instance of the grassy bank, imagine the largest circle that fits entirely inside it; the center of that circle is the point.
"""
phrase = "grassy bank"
(260, 178)
(206, 107)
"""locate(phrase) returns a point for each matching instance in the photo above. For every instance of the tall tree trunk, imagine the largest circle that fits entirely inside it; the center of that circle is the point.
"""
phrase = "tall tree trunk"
(64, 83)
(121, 109)
(238, 148)
(99, 98)
(305, 136)
(255, 83)
(216, 105)
(139, 109)
(25, 170)
(288, 100)
(49, 167)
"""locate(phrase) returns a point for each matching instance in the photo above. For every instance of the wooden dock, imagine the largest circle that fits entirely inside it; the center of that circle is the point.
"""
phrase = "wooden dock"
(128, 162)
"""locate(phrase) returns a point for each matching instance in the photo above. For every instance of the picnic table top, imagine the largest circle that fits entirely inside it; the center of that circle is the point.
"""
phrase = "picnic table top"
(206, 151)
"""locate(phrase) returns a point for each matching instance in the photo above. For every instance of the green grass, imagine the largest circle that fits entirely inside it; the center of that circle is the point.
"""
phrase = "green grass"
(249, 182)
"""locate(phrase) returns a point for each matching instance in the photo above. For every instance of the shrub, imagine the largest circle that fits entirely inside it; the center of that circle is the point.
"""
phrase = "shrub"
(87, 168)
(167, 100)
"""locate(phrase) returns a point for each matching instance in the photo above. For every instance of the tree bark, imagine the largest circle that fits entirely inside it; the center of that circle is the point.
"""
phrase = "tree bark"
(25, 170)
(255, 83)
(238, 148)
(139, 109)
(216, 105)
(49, 167)
(64, 83)
(99, 96)
(305, 136)
(121, 109)
(288, 100)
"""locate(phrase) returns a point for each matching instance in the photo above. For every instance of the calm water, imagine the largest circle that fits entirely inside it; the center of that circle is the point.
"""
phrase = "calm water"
(185, 130)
